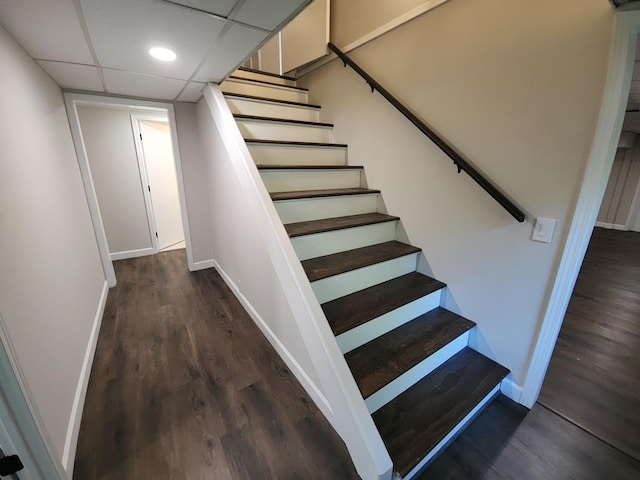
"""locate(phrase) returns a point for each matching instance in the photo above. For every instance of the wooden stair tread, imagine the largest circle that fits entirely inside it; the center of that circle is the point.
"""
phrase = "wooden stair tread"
(239, 116)
(359, 307)
(377, 363)
(270, 84)
(269, 74)
(308, 167)
(333, 192)
(271, 100)
(301, 144)
(413, 423)
(337, 263)
(338, 223)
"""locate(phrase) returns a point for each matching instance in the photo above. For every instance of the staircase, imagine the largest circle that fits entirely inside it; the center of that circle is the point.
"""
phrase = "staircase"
(408, 355)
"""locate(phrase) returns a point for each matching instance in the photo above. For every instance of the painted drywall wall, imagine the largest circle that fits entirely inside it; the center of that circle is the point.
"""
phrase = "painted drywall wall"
(51, 277)
(110, 147)
(619, 202)
(516, 87)
(305, 38)
(195, 183)
(353, 19)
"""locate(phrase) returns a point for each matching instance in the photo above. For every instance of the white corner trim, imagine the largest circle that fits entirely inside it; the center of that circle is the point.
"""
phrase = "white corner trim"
(378, 32)
(594, 182)
(202, 265)
(73, 430)
(511, 389)
(612, 226)
(289, 359)
(140, 252)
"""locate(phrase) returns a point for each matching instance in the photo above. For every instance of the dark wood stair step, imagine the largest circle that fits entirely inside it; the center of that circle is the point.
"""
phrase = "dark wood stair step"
(334, 192)
(269, 74)
(308, 167)
(359, 307)
(338, 223)
(337, 263)
(413, 423)
(298, 144)
(259, 118)
(377, 363)
(270, 100)
(270, 84)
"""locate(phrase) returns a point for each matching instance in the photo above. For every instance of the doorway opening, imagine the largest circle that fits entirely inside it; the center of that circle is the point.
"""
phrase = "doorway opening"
(130, 165)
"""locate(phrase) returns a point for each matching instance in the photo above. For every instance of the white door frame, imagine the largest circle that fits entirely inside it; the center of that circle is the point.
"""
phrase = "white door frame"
(144, 175)
(72, 100)
(594, 183)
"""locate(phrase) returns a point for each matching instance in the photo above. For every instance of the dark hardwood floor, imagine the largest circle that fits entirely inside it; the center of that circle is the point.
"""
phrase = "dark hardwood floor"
(587, 422)
(184, 386)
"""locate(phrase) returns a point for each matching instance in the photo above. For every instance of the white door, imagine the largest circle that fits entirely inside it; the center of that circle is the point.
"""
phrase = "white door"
(163, 183)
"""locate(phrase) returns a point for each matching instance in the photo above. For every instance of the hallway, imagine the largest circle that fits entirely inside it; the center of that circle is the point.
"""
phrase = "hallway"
(185, 386)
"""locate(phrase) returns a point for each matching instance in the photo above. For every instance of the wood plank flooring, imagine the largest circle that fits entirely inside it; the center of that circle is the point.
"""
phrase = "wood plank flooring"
(184, 386)
(594, 375)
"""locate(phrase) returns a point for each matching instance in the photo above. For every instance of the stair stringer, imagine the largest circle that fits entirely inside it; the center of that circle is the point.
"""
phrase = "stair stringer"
(338, 396)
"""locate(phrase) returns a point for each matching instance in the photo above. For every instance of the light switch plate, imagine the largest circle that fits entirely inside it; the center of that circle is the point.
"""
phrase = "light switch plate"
(543, 230)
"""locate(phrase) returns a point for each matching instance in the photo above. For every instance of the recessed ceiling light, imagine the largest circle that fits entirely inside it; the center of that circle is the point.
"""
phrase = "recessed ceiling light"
(163, 54)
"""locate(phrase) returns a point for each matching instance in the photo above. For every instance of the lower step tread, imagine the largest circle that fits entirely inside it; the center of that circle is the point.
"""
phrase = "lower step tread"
(357, 308)
(413, 423)
(380, 361)
(336, 223)
(337, 263)
(333, 192)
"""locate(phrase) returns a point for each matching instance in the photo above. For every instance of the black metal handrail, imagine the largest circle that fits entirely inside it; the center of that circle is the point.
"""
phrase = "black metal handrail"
(458, 160)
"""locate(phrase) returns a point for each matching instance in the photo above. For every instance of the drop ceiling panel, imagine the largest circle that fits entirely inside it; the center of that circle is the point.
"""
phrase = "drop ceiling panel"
(122, 32)
(73, 76)
(217, 7)
(139, 85)
(268, 15)
(192, 93)
(46, 29)
(228, 52)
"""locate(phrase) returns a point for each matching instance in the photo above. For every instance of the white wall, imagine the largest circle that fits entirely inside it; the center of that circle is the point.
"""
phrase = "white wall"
(516, 87)
(109, 142)
(51, 279)
(195, 183)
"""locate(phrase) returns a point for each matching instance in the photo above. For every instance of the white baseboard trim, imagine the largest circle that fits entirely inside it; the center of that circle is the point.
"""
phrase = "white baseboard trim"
(73, 430)
(511, 389)
(204, 264)
(140, 252)
(299, 372)
(612, 226)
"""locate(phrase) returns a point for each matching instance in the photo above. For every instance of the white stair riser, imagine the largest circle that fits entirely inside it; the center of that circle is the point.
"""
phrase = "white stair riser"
(302, 179)
(338, 286)
(326, 243)
(266, 91)
(263, 78)
(416, 373)
(453, 433)
(252, 129)
(297, 155)
(378, 326)
(274, 110)
(304, 209)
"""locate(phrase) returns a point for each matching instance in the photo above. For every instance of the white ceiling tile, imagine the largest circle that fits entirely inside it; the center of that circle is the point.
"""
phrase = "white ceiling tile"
(123, 31)
(217, 7)
(192, 93)
(229, 51)
(268, 15)
(46, 29)
(139, 85)
(73, 76)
